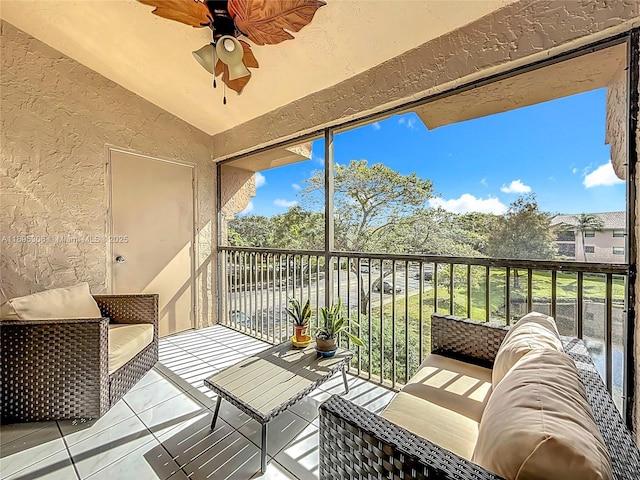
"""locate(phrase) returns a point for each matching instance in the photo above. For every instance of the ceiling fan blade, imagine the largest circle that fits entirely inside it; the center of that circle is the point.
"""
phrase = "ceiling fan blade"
(267, 22)
(249, 59)
(189, 12)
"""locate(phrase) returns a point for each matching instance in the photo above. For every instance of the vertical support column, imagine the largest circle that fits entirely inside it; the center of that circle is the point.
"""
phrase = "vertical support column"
(328, 216)
(219, 286)
(633, 64)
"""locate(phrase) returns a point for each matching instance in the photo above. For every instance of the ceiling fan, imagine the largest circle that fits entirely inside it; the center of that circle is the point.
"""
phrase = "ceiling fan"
(263, 22)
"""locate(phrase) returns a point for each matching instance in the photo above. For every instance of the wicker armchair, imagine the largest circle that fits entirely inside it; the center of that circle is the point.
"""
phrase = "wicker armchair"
(58, 369)
(358, 444)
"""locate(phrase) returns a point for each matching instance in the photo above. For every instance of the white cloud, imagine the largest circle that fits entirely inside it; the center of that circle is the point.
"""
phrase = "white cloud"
(281, 202)
(247, 209)
(376, 126)
(515, 186)
(468, 203)
(260, 180)
(602, 176)
(295, 186)
(484, 183)
(574, 170)
(408, 121)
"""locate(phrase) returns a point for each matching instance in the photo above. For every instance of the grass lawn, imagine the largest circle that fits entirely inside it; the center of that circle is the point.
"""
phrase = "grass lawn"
(594, 288)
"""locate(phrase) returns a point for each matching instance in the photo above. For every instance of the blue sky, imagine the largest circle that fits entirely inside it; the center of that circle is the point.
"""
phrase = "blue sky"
(555, 150)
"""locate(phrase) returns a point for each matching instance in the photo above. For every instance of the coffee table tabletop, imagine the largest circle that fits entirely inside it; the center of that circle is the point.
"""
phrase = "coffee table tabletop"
(271, 381)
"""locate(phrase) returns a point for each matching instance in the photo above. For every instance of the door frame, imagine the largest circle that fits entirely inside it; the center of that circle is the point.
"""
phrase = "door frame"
(194, 224)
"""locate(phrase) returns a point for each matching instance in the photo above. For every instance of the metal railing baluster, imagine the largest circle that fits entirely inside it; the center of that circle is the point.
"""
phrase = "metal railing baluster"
(580, 300)
(529, 289)
(507, 295)
(257, 278)
(487, 294)
(393, 323)
(451, 295)
(469, 291)
(608, 330)
(406, 322)
(554, 293)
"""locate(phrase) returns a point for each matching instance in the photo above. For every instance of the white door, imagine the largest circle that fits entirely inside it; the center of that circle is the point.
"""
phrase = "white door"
(152, 220)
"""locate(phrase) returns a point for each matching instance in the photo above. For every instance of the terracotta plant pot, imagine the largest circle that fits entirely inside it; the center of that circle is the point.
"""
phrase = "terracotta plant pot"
(301, 333)
(326, 345)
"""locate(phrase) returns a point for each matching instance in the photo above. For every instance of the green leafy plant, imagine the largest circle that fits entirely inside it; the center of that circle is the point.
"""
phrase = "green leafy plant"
(334, 323)
(301, 314)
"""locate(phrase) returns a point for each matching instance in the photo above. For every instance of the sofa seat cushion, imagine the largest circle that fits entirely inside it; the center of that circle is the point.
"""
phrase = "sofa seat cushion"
(443, 402)
(58, 303)
(126, 341)
(538, 424)
(534, 331)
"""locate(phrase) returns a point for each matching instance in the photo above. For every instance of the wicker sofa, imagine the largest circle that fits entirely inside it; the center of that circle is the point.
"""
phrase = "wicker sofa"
(59, 369)
(358, 444)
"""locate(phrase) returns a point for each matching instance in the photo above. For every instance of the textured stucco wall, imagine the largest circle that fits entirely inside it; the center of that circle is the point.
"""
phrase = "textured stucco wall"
(237, 186)
(516, 34)
(616, 126)
(57, 119)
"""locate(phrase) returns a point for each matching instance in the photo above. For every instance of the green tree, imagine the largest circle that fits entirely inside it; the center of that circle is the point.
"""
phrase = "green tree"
(435, 231)
(587, 222)
(250, 231)
(522, 233)
(298, 229)
(370, 203)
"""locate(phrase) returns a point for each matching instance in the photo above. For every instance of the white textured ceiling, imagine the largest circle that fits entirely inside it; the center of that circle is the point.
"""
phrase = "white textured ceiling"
(151, 56)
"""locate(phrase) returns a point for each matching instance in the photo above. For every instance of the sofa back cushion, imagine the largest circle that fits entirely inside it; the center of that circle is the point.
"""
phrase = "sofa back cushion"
(534, 331)
(538, 424)
(69, 302)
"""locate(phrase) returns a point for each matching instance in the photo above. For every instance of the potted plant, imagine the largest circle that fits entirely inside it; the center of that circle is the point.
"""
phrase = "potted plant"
(301, 314)
(333, 323)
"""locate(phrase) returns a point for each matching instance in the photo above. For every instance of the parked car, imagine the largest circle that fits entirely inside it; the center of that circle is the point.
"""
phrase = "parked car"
(426, 274)
(387, 287)
(239, 318)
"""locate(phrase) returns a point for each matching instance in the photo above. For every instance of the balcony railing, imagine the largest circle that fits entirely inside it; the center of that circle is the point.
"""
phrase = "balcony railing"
(390, 299)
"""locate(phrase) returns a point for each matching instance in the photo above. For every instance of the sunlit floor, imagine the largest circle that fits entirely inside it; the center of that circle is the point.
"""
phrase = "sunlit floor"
(161, 428)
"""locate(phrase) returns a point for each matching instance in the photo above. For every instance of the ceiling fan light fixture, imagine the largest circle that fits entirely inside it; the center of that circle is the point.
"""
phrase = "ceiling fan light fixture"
(238, 70)
(206, 56)
(230, 52)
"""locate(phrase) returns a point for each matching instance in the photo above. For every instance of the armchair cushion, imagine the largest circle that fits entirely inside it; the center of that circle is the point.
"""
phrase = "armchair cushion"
(126, 341)
(59, 303)
(534, 331)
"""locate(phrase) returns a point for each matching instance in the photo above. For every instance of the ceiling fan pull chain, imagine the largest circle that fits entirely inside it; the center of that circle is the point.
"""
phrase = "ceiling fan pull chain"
(214, 63)
(224, 96)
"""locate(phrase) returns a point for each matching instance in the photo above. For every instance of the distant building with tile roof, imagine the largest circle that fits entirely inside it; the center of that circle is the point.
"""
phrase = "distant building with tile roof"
(607, 246)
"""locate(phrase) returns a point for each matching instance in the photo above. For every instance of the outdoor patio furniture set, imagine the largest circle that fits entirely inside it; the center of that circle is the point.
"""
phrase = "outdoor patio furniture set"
(523, 403)
(489, 402)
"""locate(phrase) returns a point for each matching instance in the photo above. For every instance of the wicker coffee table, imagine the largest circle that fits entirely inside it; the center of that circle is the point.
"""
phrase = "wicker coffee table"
(265, 385)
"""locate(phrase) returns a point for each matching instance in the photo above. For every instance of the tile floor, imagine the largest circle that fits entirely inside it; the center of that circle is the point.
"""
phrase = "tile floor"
(161, 428)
